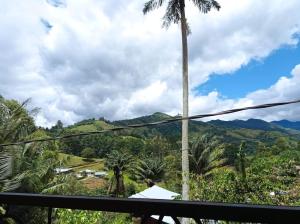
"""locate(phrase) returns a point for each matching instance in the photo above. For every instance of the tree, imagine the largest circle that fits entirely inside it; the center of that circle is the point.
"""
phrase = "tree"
(15, 124)
(28, 167)
(242, 161)
(118, 162)
(15, 121)
(57, 128)
(150, 170)
(175, 13)
(37, 161)
(206, 154)
(88, 153)
(157, 147)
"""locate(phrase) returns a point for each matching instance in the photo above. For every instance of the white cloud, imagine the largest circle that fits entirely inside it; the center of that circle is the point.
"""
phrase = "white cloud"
(285, 89)
(105, 58)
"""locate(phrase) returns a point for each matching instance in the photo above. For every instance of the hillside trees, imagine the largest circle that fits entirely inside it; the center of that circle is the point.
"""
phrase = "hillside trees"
(88, 153)
(264, 179)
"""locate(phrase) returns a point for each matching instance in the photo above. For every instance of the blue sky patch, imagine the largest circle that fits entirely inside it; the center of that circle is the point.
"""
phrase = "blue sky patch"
(256, 75)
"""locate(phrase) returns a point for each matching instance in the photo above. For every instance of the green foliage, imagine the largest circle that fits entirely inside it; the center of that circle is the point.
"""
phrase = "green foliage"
(150, 170)
(157, 147)
(88, 153)
(174, 9)
(118, 162)
(15, 124)
(264, 175)
(242, 161)
(15, 121)
(65, 185)
(206, 154)
(129, 144)
(68, 216)
(27, 168)
(57, 128)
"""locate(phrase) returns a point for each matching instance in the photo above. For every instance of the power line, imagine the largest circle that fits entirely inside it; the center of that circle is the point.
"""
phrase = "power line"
(132, 126)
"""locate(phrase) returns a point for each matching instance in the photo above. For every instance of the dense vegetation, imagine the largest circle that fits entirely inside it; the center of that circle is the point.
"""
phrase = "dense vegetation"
(238, 161)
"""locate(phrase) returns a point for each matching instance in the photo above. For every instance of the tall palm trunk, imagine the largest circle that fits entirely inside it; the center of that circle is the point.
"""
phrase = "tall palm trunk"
(117, 175)
(185, 105)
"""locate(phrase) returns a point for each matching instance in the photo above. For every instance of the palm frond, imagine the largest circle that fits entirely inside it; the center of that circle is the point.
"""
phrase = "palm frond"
(11, 184)
(151, 5)
(149, 169)
(172, 14)
(5, 166)
(205, 154)
(206, 5)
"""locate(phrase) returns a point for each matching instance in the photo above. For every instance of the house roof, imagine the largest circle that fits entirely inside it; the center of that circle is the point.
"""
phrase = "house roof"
(88, 171)
(101, 173)
(156, 192)
(62, 170)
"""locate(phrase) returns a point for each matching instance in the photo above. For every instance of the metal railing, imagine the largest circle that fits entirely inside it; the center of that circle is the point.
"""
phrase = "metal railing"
(146, 207)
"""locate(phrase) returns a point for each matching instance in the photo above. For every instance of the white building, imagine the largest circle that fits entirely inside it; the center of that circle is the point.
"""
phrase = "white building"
(156, 192)
(87, 172)
(101, 174)
(63, 170)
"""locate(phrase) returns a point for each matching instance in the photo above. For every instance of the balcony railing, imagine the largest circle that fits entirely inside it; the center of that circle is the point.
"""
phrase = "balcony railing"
(146, 207)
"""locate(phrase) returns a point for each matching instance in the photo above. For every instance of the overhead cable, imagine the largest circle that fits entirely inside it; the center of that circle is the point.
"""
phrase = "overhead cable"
(165, 121)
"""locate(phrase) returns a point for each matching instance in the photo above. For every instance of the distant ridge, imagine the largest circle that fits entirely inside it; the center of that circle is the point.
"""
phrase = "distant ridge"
(217, 127)
(288, 124)
(233, 132)
(157, 116)
(256, 124)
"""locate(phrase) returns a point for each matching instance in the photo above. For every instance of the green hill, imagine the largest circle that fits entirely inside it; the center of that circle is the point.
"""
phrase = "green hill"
(251, 131)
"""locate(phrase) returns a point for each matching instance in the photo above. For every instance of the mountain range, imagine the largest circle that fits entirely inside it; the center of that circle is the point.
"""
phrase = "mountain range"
(251, 131)
(282, 126)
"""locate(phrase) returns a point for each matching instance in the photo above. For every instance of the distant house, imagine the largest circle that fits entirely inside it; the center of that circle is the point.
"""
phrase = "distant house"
(63, 170)
(101, 174)
(156, 192)
(87, 173)
(79, 176)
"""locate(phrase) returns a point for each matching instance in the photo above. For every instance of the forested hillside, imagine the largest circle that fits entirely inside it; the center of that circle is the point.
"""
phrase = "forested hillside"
(252, 131)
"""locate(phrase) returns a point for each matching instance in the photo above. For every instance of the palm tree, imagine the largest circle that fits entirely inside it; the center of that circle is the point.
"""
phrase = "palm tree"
(241, 155)
(118, 162)
(15, 124)
(206, 154)
(150, 171)
(175, 13)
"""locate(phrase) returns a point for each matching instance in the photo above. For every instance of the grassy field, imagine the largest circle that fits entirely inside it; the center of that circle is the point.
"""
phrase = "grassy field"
(95, 126)
(94, 183)
(79, 163)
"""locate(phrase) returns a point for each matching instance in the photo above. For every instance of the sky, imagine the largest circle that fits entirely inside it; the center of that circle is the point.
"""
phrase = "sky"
(257, 74)
(81, 59)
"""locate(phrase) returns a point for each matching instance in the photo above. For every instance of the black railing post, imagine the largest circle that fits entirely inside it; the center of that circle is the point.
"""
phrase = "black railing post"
(50, 209)
(176, 220)
(160, 219)
(146, 207)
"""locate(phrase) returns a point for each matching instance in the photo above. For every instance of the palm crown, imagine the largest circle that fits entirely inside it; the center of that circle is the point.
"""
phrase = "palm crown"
(174, 7)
